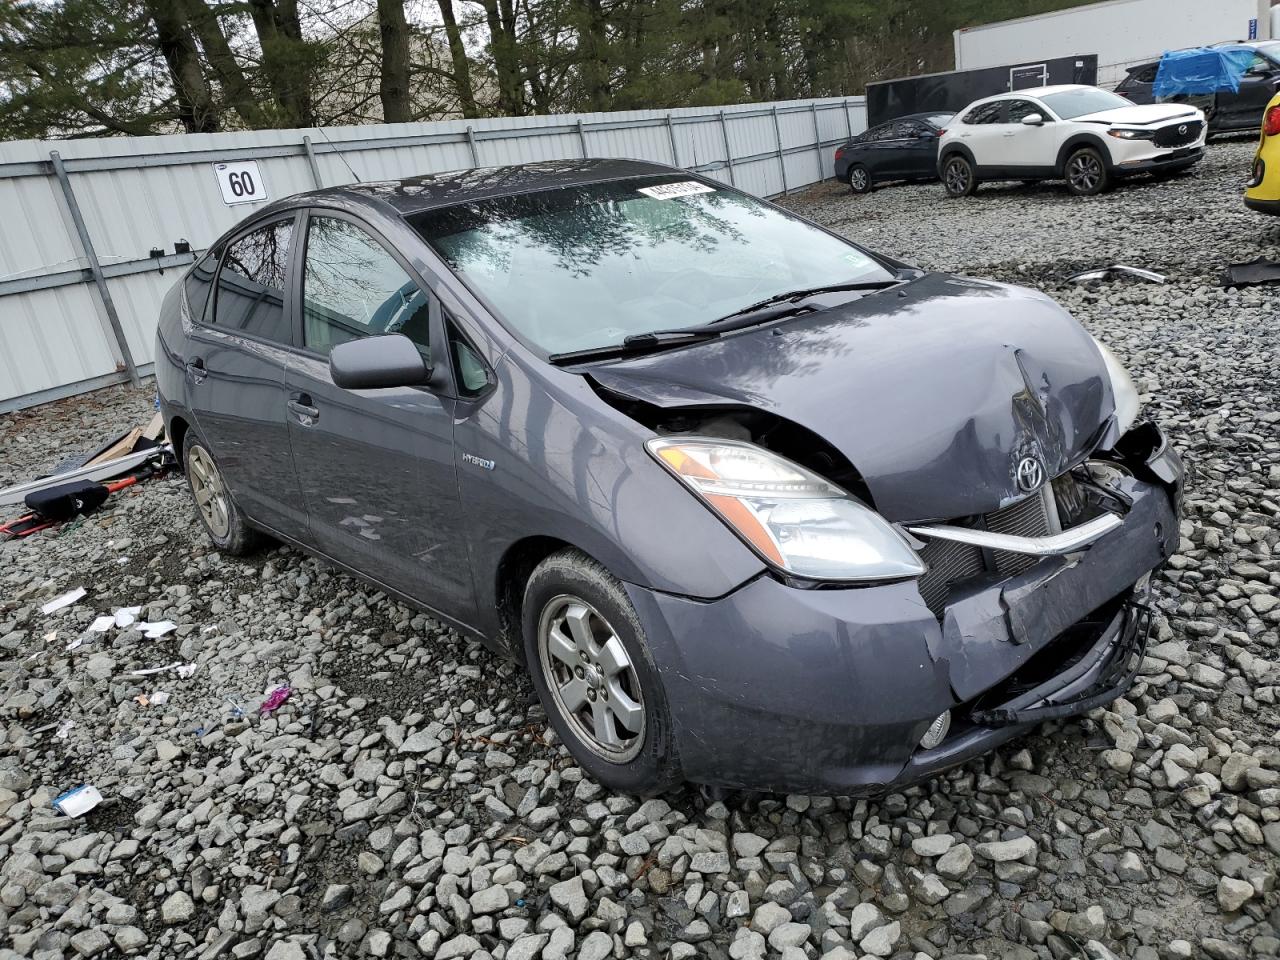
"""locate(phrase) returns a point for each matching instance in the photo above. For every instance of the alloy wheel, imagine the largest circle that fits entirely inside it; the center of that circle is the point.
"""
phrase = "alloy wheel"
(591, 678)
(210, 492)
(1084, 172)
(858, 179)
(957, 177)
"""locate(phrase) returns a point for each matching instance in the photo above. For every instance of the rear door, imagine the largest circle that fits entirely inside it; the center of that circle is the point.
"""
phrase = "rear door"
(376, 467)
(983, 134)
(919, 149)
(1258, 85)
(235, 371)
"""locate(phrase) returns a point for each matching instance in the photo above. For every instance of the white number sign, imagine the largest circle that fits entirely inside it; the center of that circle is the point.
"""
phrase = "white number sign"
(240, 182)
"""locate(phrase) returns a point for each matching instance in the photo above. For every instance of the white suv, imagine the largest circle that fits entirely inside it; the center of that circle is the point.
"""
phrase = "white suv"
(1080, 134)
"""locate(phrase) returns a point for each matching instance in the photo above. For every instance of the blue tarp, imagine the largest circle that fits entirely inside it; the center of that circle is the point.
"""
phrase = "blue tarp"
(1201, 70)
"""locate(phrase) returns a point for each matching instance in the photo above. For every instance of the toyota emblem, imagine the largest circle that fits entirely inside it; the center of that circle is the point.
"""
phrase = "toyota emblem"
(1030, 474)
(1182, 130)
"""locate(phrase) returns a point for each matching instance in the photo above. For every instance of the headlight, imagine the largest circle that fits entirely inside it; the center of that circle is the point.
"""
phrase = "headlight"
(792, 517)
(1122, 388)
(1132, 134)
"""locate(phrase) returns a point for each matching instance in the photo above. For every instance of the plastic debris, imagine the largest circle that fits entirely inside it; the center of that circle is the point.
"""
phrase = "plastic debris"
(1121, 269)
(78, 802)
(125, 616)
(77, 642)
(154, 631)
(160, 697)
(64, 729)
(66, 600)
(182, 669)
(274, 699)
(1257, 271)
(102, 624)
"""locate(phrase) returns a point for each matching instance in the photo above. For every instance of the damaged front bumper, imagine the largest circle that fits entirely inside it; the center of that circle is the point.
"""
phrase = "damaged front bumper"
(831, 690)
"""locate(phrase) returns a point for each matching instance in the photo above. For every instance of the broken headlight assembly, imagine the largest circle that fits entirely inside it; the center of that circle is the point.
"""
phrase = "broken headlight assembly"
(1123, 390)
(799, 522)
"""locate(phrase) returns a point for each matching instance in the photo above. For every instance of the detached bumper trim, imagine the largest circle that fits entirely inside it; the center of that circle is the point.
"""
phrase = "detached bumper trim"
(1059, 544)
(1096, 681)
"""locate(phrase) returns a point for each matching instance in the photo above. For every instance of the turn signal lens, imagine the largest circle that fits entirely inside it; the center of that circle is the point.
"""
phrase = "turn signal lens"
(1271, 124)
(793, 518)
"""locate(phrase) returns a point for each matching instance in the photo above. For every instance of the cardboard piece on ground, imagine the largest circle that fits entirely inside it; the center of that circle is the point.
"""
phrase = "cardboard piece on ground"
(118, 449)
(155, 429)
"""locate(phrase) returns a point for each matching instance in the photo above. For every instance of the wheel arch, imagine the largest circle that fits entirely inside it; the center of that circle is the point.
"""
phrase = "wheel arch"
(510, 577)
(950, 150)
(178, 430)
(1074, 143)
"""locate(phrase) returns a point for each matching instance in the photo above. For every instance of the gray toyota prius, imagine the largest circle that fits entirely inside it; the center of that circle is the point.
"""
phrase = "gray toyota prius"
(755, 506)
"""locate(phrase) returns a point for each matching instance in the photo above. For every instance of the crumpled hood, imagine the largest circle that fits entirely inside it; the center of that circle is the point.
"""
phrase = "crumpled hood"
(935, 391)
(1143, 115)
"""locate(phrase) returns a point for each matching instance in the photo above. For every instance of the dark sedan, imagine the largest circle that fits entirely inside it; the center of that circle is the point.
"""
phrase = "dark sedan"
(902, 149)
(755, 506)
(1226, 110)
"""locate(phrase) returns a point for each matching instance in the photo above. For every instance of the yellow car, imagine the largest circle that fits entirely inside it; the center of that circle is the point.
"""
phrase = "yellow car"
(1263, 194)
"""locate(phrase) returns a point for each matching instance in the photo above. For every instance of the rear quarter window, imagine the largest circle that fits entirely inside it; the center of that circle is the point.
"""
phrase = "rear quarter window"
(986, 113)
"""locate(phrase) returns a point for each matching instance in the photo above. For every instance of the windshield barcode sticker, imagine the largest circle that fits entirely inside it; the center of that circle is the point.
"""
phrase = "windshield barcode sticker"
(670, 191)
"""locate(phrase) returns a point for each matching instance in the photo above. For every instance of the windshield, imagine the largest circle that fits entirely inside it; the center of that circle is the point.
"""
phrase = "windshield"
(1070, 104)
(583, 267)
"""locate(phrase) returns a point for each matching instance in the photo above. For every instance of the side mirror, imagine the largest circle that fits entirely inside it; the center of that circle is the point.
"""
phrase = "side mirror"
(1033, 120)
(390, 360)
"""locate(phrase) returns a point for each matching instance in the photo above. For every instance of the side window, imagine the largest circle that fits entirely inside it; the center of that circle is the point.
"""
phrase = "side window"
(987, 113)
(1260, 65)
(1147, 74)
(352, 287)
(198, 283)
(472, 374)
(1021, 108)
(250, 297)
(882, 132)
(902, 130)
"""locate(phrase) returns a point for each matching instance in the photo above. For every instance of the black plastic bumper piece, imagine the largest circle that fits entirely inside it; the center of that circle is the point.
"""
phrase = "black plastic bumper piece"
(1102, 676)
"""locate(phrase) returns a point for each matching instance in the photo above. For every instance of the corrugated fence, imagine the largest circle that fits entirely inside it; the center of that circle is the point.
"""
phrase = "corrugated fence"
(88, 228)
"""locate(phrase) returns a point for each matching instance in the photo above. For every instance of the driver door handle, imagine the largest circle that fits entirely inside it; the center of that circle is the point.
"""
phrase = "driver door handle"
(303, 411)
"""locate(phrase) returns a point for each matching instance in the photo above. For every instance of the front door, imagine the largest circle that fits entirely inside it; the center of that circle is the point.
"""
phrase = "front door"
(1028, 147)
(376, 467)
(235, 370)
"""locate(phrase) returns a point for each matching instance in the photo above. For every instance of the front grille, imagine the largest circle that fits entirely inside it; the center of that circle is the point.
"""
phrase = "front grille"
(1178, 134)
(1027, 518)
(949, 563)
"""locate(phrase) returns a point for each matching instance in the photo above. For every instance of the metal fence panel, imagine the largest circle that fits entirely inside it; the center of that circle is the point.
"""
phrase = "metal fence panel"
(78, 306)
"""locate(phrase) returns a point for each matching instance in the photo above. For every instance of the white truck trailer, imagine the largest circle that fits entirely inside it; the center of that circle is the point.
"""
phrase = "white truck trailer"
(1120, 32)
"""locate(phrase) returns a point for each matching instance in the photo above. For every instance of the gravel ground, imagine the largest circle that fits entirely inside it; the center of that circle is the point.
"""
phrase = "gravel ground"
(409, 800)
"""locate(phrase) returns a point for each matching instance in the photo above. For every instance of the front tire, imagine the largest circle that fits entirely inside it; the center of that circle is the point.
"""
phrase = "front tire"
(1086, 173)
(859, 179)
(591, 667)
(958, 176)
(219, 515)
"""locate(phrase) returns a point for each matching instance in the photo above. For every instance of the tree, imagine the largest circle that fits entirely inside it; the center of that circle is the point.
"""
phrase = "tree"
(196, 110)
(397, 106)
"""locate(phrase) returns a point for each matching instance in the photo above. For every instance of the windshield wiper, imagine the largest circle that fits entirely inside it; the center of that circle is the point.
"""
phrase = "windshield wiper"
(773, 308)
(637, 343)
(780, 304)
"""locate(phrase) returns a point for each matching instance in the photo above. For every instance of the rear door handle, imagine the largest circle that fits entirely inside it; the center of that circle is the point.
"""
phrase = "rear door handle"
(196, 370)
(303, 411)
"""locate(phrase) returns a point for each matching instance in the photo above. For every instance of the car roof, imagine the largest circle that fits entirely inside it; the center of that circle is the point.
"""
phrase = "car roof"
(430, 191)
(1033, 92)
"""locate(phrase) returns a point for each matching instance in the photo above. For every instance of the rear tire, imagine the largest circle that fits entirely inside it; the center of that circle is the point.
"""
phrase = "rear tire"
(589, 662)
(860, 179)
(219, 515)
(1086, 173)
(958, 176)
